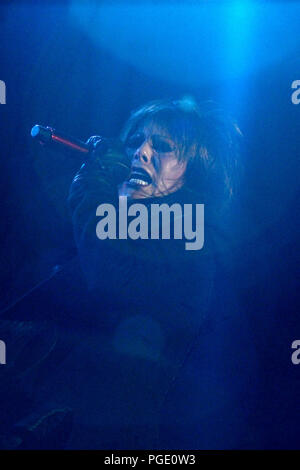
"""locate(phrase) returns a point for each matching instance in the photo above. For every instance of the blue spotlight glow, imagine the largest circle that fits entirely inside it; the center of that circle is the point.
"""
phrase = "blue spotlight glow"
(194, 43)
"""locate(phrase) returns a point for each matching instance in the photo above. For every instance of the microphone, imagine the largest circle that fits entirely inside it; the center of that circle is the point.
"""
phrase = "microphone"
(49, 136)
(110, 153)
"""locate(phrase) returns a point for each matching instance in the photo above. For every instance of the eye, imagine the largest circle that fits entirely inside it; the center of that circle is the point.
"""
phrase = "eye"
(161, 145)
(135, 141)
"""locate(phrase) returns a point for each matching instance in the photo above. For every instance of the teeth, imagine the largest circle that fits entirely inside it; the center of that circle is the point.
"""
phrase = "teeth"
(138, 181)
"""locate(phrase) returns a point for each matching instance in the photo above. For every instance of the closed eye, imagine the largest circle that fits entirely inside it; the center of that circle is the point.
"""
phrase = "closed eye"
(160, 145)
(135, 141)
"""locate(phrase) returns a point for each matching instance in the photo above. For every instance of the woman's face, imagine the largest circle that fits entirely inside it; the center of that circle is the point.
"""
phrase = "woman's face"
(155, 169)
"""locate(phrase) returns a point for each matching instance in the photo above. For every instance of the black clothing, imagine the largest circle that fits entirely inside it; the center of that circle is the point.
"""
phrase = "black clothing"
(154, 352)
(172, 338)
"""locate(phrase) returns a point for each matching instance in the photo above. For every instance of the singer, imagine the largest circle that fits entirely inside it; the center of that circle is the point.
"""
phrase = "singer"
(161, 356)
(167, 367)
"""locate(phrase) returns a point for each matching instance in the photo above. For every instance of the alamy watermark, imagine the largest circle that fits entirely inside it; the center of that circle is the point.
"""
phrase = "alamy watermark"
(296, 94)
(2, 92)
(159, 220)
(2, 352)
(295, 358)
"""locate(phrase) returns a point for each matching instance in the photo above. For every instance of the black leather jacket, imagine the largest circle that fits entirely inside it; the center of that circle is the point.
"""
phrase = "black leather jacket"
(150, 349)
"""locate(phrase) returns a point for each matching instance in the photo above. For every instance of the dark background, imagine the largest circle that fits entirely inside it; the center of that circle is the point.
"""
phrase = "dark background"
(83, 72)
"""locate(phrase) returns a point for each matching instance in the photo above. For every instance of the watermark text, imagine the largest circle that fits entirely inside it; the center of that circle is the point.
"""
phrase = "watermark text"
(2, 352)
(2, 92)
(296, 94)
(163, 221)
(296, 354)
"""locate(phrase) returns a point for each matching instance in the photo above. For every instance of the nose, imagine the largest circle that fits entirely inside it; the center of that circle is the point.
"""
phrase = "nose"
(143, 153)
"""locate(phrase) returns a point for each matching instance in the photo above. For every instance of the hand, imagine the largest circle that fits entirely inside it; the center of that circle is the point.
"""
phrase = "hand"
(111, 157)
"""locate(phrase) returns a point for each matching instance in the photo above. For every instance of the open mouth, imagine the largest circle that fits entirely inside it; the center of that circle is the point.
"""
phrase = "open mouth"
(139, 177)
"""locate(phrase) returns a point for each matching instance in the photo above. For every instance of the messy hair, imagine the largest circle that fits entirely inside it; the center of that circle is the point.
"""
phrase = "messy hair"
(205, 137)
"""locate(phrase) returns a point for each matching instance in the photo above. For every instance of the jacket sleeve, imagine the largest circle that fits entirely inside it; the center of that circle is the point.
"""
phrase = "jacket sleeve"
(119, 269)
(96, 182)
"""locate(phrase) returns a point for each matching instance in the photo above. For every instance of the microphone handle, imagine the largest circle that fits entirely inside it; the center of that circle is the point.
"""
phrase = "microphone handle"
(48, 135)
